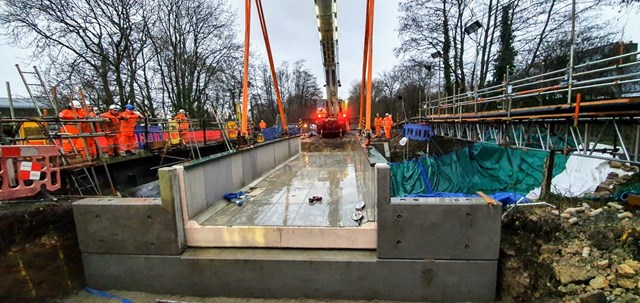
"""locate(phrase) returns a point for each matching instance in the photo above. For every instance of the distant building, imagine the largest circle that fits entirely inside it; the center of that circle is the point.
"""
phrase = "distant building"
(22, 107)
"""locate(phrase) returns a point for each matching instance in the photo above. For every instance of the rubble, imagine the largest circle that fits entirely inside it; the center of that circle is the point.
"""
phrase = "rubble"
(587, 252)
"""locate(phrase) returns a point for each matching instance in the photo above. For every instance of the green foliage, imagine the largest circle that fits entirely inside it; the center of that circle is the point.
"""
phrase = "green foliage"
(506, 56)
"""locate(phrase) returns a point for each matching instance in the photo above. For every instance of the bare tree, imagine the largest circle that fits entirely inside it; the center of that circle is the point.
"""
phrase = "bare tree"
(92, 42)
(192, 41)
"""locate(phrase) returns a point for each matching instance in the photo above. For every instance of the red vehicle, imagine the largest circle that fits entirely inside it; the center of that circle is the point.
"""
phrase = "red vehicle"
(332, 126)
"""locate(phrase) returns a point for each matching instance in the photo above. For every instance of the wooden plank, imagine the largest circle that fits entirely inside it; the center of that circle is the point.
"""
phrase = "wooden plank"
(486, 198)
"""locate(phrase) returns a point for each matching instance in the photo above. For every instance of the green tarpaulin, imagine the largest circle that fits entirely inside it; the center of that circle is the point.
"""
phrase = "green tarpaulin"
(482, 167)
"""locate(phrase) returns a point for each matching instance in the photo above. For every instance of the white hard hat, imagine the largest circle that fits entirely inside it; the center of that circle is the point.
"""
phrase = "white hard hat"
(386, 114)
(181, 111)
(113, 106)
(76, 104)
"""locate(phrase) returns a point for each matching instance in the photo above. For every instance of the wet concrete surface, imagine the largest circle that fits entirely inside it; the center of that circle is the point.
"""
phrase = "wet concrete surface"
(282, 197)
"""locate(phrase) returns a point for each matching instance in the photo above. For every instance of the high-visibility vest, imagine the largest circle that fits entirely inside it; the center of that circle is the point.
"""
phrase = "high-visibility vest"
(377, 121)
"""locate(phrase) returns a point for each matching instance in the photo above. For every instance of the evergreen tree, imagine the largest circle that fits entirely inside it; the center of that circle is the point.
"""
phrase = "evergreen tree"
(506, 55)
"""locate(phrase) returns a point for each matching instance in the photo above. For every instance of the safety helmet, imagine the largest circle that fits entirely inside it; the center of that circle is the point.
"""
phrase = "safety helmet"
(181, 111)
(76, 104)
(386, 114)
(129, 107)
(113, 106)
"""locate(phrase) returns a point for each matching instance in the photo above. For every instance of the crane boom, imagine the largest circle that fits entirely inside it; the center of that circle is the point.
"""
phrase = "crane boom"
(327, 17)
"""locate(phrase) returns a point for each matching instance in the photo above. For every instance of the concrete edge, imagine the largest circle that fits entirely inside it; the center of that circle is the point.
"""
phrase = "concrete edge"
(363, 237)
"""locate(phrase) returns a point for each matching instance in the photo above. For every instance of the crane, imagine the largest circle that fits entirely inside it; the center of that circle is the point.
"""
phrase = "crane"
(332, 117)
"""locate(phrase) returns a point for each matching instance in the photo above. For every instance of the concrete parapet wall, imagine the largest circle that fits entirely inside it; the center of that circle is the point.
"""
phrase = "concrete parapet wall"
(365, 178)
(435, 228)
(208, 179)
(131, 225)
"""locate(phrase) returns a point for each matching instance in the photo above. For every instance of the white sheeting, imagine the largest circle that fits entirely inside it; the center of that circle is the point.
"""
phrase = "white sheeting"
(581, 175)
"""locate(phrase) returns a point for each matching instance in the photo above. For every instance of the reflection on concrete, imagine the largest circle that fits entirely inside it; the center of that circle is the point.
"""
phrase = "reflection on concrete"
(283, 196)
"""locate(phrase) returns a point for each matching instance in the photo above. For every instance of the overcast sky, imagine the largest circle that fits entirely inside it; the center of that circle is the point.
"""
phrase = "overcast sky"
(293, 35)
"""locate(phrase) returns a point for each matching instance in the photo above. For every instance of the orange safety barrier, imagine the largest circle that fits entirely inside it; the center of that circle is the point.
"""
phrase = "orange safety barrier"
(25, 169)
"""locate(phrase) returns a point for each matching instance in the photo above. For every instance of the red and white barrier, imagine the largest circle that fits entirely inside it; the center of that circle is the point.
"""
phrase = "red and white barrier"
(25, 169)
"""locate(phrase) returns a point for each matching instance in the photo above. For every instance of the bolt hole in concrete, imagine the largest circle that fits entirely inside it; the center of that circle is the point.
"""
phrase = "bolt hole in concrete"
(398, 242)
(468, 215)
(148, 218)
(399, 216)
(97, 217)
(466, 246)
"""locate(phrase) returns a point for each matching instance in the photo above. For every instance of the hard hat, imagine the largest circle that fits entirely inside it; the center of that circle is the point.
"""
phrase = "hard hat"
(129, 107)
(113, 106)
(386, 114)
(76, 104)
(181, 111)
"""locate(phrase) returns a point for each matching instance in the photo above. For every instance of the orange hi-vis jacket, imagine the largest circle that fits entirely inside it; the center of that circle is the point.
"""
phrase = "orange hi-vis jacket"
(377, 121)
(183, 120)
(86, 127)
(113, 125)
(129, 121)
(73, 128)
(72, 114)
(263, 125)
(387, 122)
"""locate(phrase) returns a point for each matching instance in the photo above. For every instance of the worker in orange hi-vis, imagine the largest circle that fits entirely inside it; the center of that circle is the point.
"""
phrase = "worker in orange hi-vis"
(262, 125)
(88, 129)
(388, 123)
(183, 124)
(377, 123)
(73, 112)
(127, 129)
(112, 127)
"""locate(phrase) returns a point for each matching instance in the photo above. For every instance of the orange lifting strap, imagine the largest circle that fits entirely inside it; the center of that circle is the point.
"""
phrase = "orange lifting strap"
(245, 79)
(276, 87)
(365, 55)
(245, 82)
(371, 3)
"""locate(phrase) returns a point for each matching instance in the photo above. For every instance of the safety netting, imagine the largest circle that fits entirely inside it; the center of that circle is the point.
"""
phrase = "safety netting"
(484, 167)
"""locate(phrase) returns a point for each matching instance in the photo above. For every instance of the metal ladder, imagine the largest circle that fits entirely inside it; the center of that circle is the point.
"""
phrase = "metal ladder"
(225, 136)
(43, 95)
(83, 181)
(77, 175)
(192, 140)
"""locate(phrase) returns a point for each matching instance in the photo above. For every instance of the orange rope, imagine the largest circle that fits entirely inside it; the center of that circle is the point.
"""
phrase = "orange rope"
(370, 66)
(365, 55)
(263, 25)
(245, 80)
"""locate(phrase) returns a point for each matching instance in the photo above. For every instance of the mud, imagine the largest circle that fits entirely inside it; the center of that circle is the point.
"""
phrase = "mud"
(39, 254)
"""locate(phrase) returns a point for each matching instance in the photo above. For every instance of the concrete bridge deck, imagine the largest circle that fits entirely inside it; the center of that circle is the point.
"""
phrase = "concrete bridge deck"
(281, 198)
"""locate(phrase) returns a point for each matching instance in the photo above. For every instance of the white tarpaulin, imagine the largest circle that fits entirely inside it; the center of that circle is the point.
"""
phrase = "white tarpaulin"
(581, 175)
